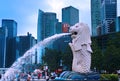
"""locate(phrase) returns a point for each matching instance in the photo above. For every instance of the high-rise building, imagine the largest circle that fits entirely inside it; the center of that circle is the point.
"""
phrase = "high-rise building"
(95, 16)
(11, 27)
(46, 24)
(3, 35)
(70, 15)
(61, 44)
(59, 27)
(46, 27)
(108, 14)
(40, 28)
(24, 44)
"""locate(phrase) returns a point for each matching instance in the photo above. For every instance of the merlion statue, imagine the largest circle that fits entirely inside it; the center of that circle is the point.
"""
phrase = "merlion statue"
(80, 47)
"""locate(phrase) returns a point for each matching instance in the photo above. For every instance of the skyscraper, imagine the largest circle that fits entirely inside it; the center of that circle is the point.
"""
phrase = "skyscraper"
(46, 24)
(11, 27)
(40, 28)
(24, 43)
(3, 34)
(95, 16)
(46, 27)
(70, 15)
(108, 15)
(59, 27)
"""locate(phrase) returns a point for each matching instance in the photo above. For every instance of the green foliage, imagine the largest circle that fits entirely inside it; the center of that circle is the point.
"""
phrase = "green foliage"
(111, 77)
(52, 58)
(112, 59)
(107, 58)
(112, 53)
(97, 56)
(67, 58)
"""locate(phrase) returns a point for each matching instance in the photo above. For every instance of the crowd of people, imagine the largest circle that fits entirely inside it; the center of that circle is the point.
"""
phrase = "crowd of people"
(33, 76)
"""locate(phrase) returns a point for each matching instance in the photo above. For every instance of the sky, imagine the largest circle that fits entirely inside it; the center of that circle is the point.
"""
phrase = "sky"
(25, 12)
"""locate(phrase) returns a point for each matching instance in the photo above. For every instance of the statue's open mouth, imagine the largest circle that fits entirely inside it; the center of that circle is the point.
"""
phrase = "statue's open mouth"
(74, 33)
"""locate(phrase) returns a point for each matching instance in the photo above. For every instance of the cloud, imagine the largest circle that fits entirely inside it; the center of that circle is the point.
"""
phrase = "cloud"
(118, 5)
(57, 5)
(25, 12)
(53, 6)
(29, 25)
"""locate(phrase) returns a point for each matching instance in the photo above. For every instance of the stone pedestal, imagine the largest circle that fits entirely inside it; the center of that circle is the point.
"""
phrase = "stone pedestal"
(70, 75)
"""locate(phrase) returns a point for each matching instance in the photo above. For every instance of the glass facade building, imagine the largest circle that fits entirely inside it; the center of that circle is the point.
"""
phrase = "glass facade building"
(70, 15)
(11, 27)
(46, 24)
(40, 28)
(95, 16)
(108, 14)
(59, 27)
(46, 27)
(3, 34)
(24, 43)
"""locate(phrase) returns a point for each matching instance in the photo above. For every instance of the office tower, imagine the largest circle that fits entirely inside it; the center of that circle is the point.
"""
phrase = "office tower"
(70, 15)
(11, 27)
(95, 16)
(23, 44)
(59, 27)
(40, 27)
(3, 35)
(46, 27)
(61, 44)
(46, 24)
(108, 14)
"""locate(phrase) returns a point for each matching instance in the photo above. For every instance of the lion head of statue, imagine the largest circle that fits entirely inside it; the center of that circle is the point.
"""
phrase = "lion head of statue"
(80, 32)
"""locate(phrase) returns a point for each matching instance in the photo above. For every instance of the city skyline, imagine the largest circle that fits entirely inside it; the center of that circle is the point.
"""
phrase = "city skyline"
(25, 12)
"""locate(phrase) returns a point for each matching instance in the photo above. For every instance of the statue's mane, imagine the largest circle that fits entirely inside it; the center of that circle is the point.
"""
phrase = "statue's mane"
(83, 33)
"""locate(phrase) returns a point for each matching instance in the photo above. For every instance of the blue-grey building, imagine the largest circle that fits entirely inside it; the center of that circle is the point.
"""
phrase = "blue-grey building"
(70, 15)
(118, 24)
(59, 27)
(46, 24)
(95, 16)
(61, 44)
(46, 27)
(3, 35)
(108, 14)
(11, 27)
(25, 43)
(40, 27)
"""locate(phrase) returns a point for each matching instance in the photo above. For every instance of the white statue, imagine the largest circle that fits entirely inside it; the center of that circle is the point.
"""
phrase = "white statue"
(81, 48)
